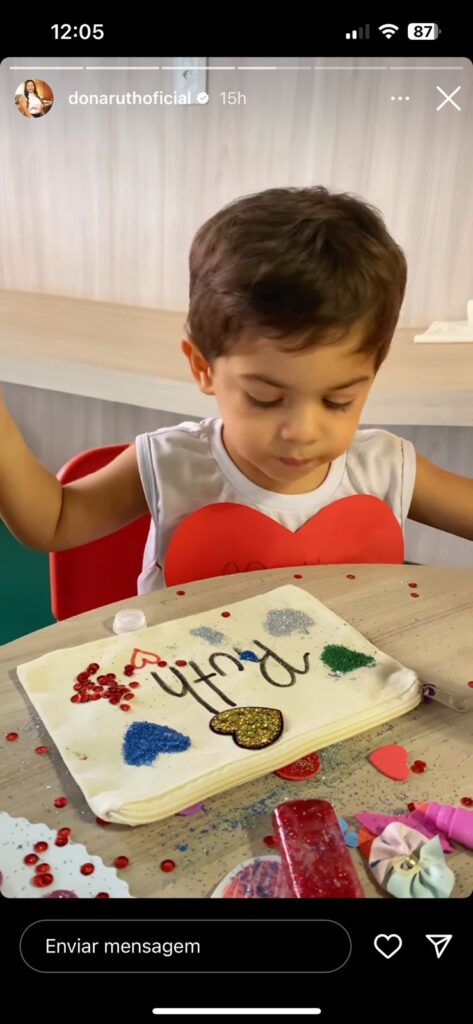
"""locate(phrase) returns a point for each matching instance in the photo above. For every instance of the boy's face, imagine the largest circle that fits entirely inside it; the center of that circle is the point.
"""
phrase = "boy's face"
(287, 415)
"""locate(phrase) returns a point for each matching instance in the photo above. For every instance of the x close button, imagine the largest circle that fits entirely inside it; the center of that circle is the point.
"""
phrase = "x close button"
(448, 97)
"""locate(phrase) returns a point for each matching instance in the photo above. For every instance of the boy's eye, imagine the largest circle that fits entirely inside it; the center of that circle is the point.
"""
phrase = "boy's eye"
(262, 405)
(340, 406)
(337, 405)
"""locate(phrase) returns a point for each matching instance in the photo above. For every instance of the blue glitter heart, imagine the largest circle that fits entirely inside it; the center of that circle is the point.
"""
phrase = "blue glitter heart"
(145, 741)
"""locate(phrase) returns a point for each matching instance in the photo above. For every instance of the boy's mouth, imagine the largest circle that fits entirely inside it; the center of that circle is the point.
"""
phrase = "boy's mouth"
(297, 462)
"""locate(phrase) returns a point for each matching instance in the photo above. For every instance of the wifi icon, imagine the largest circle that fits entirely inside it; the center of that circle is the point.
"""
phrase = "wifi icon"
(389, 30)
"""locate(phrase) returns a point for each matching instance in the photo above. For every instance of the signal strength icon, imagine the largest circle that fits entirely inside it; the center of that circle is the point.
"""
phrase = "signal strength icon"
(358, 33)
(389, 30)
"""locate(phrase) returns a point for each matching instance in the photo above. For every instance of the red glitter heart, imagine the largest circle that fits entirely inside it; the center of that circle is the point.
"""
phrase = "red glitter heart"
(305, 768)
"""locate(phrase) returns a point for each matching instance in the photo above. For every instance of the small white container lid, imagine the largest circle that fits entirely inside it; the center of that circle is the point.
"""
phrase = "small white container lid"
(129, 619)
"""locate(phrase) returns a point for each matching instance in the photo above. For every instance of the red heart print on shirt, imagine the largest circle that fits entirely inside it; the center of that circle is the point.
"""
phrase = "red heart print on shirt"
(358, 529)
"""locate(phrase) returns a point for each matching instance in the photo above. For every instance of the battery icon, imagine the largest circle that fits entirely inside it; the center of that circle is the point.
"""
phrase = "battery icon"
(423, 30)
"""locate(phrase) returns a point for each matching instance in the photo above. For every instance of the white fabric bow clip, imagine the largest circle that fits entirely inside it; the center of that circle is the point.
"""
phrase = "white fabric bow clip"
(410, 866)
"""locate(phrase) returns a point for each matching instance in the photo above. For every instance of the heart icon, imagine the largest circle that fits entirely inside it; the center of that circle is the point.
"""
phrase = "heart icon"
(147, 658)
(388, 945)
(251, 728)
(391, 761)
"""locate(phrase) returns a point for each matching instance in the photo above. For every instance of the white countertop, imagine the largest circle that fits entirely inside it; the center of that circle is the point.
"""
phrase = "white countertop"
(131, 354)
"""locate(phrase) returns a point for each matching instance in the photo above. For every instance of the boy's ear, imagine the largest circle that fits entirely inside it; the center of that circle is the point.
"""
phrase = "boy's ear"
(200, 368)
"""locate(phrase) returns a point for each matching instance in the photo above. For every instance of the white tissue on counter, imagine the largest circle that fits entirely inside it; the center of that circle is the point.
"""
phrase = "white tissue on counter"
(442, 331)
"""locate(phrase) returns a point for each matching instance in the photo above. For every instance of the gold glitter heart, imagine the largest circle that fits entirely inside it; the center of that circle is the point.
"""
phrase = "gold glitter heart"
(251, 728)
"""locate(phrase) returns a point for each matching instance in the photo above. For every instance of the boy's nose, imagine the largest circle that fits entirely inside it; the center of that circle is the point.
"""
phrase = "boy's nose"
(302, 429)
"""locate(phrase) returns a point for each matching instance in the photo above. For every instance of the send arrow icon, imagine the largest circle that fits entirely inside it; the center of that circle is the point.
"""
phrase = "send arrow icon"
(440, 943)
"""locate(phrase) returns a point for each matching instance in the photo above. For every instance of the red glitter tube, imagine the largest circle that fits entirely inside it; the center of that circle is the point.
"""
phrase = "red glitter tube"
(316, 861)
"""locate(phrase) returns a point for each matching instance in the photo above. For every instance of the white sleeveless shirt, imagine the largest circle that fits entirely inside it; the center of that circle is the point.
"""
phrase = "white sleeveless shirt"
(186, 467)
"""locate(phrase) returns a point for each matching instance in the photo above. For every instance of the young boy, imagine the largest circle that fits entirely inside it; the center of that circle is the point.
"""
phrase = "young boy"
(294, 298)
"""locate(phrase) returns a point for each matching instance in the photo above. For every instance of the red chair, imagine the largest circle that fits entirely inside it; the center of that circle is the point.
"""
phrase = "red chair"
(107, 569)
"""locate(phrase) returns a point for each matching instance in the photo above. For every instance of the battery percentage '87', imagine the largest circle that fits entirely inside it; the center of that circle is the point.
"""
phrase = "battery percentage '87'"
(423, 30)
(232, 99)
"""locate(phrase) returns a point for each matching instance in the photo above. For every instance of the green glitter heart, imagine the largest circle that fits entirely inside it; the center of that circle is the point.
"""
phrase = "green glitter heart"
(342, 659)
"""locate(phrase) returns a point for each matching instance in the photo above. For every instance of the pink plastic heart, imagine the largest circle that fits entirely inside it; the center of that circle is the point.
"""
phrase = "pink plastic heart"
(391, 761)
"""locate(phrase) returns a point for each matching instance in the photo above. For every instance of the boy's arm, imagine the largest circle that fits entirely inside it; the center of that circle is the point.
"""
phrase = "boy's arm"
(442, 499)
(45, 515)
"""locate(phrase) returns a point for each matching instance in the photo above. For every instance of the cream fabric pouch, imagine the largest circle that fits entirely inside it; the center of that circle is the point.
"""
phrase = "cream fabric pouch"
(151, 722)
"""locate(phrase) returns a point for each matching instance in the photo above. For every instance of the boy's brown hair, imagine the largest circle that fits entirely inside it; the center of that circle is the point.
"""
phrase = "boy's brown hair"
(300, 265)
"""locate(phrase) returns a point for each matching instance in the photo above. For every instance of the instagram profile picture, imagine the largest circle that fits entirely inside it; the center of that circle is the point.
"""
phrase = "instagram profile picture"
(34, 98)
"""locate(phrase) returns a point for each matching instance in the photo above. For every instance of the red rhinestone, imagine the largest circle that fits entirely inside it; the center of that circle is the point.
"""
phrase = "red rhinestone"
(298, 576)
(129, 695)
(41, 881)
(125, 707)
(470, 683)
(82, 677)
(78, 686)
(40, 847)
(128, 670)
(75, 699)
(11, 736)
(350, 576)
(413, 594)
(270, 841)
(167, 865)
(101, 679)
(181, 662)
(41, 750)
(418, 767)
(102, 896)
(30, 859)
(61, 801)
(87, 869)
(411, 807)
(100, 821)
(162, 664)
(93, 668)
(134, 685)
(43, 869)
(226, 615)
(64, 832)
(467, 801)
(421, 764)
(180, 593)
(61, 841)
(413, 585)
(111, 675)
(121, 862)
(113, 700)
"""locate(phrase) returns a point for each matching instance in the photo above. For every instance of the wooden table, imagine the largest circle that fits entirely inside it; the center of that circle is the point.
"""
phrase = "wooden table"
(431, 634)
